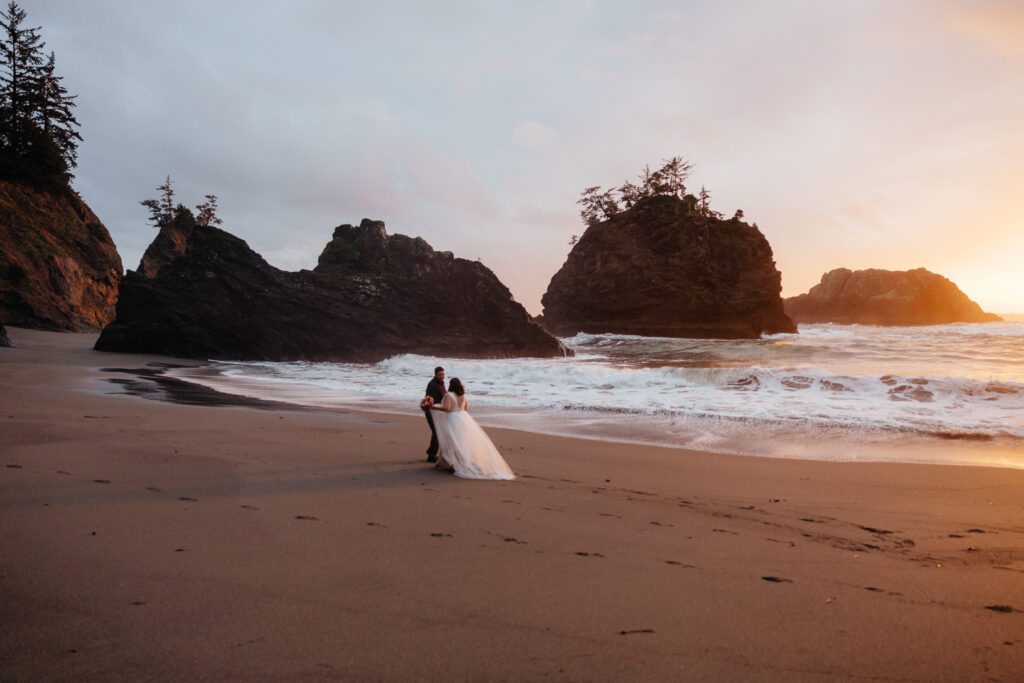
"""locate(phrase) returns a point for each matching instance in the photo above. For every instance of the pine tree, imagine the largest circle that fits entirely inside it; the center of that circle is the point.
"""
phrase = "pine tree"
(705, 201)
(669, 180)
(38, 129)
(208, 211)
(56, 115)
(161, 211)
(21, 53)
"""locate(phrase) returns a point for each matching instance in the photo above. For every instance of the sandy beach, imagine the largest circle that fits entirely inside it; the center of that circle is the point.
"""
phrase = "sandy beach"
(142, 538)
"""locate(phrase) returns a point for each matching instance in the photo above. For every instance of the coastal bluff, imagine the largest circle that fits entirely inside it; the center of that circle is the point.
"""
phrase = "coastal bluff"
(662, 268)
(59, 268)
(201, 292)
(885, 297)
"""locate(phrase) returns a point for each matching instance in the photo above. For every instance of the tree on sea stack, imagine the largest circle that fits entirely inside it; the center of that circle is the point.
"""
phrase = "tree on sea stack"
(164, 212)
(208, 211)
(38, 129)
(667, 181)
(161, 211)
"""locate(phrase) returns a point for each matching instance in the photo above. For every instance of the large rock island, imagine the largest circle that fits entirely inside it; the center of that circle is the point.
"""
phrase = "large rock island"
(885, 297)
(201, 292)
(664, 268)
(59, 269)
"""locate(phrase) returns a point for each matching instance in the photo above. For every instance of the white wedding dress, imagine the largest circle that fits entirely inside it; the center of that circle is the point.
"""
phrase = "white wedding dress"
(465, 445)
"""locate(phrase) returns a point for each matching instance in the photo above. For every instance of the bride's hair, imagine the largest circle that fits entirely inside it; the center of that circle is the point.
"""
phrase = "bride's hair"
(455, 386)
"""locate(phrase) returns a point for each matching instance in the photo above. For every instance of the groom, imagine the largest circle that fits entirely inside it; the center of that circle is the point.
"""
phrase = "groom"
(435, 390)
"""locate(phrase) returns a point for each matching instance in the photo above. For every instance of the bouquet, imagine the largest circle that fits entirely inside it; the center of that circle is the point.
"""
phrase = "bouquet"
(426, 403)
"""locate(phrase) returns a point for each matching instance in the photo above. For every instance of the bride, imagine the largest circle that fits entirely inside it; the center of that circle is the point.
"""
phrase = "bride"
(464, 445)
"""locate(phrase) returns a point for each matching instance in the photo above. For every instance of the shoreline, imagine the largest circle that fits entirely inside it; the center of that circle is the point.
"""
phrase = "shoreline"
(723, 435)
(166, 541)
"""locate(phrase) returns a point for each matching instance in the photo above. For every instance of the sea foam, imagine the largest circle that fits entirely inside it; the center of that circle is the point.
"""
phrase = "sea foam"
(844, 390)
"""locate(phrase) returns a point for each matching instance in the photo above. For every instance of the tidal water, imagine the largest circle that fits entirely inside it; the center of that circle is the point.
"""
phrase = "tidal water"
(945, 394)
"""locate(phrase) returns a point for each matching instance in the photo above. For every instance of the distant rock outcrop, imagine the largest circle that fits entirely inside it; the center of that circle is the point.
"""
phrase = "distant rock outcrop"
(662, 268)
(4, 339)
(885, 297)
(59, 269)
(201, 292)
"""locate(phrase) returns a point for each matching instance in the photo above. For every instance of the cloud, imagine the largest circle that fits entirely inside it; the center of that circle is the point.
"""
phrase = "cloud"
(476, 125)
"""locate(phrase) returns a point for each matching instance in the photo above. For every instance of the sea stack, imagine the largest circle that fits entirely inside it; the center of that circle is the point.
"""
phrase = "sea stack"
(885, 297)
(59, 269)
(201, 292)
(664, 268)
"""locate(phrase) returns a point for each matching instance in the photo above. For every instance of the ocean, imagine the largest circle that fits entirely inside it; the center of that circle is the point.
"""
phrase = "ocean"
(941, 394)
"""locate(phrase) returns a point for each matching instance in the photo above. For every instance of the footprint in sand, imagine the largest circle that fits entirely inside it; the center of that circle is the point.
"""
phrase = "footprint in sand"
(776, 579)
(441, 535)
(101, 481)
(677, 563)
(309, 518)
(586, 554)
(188, 499)
(1005, 609)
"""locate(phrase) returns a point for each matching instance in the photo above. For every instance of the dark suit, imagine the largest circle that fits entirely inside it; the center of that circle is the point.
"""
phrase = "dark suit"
(435, 390)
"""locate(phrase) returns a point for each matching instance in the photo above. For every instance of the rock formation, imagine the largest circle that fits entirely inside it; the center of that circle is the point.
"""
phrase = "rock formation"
(4, 339)
(662, 268)
(201, 292)
(885, 297)
(59, 269)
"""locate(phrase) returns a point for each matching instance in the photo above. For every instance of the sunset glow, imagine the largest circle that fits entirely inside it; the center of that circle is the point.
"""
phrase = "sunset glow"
(862, 135)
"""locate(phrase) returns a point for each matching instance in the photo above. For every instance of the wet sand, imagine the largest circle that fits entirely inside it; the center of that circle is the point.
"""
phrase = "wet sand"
(192, 538)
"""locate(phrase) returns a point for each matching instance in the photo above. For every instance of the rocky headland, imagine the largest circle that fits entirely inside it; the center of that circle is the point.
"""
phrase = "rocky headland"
(59, 269)
(885, 297)
(201, 292)
(664, 268)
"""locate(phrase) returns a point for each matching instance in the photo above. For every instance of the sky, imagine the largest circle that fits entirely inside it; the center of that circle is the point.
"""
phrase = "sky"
(869, 134)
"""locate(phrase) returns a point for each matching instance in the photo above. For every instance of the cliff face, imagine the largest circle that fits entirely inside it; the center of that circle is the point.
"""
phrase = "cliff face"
(59, 269)
(208, 295)
(885, 297)
(661, 269)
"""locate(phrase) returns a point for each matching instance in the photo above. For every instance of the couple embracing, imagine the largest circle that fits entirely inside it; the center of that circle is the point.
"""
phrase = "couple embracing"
(457, 442)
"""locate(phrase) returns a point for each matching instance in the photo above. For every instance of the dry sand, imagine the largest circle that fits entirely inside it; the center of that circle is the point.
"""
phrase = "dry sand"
(148, 540)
